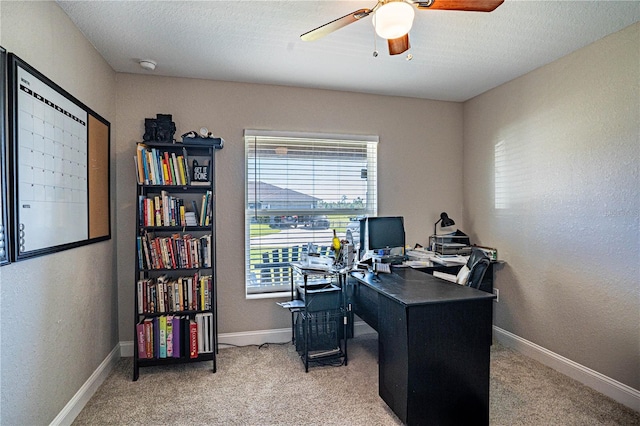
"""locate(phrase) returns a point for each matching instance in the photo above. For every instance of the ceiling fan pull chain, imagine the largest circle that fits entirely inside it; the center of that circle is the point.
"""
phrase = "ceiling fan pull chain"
(375, 44)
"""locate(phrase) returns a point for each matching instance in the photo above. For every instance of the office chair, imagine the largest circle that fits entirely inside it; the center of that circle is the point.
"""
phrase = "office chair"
(478, 264)
(472, 273)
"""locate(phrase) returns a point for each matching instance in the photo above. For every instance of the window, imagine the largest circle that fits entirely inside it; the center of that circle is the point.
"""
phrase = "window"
(299, 189)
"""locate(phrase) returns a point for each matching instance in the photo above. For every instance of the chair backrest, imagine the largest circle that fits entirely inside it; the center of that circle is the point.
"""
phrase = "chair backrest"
(474, 257)
(463, 275)
(478, 264)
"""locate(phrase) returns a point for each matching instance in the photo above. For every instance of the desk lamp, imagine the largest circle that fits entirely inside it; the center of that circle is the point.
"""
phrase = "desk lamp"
(446, 221)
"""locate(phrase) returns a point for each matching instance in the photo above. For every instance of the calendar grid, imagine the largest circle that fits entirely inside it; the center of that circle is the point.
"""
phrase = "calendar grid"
(52, 166)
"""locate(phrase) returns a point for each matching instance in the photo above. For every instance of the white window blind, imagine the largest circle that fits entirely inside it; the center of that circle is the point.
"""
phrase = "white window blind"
(299, 188)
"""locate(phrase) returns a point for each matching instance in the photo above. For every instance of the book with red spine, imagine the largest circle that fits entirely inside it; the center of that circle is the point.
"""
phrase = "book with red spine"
(149, 250)
(158, 251)
(187, 243)
(148, 336)
(172, 255)
(145, 250)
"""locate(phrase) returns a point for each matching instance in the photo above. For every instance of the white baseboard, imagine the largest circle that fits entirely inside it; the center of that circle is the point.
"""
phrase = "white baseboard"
(86, 391)
(614, 389)
(281, 335)
(257, 337)
(126, 349)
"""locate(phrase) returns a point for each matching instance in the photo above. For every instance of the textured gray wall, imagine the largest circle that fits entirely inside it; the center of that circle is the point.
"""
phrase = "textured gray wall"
(58, 312)
(563, 145)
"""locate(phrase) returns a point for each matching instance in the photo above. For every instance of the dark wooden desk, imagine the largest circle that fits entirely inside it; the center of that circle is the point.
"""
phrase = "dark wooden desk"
(434, 339)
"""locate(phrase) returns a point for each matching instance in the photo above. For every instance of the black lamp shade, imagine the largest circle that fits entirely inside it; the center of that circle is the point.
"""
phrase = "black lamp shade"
(446, 220)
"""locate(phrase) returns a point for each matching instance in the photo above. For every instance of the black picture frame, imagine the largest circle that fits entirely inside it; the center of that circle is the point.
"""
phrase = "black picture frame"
(5, 246)
(59, 167)
(201, 173)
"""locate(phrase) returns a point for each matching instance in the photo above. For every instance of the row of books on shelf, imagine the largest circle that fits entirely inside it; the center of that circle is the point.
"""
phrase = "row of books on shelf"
(170, 294)
(166, 210)
(157, 167)
(175, 336)
(177, 251)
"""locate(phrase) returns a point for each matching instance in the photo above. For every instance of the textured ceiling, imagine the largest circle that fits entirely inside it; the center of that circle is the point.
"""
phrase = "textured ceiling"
(456, 55)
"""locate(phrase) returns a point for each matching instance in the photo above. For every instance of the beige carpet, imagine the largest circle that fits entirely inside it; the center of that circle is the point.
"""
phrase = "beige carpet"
(268, 386)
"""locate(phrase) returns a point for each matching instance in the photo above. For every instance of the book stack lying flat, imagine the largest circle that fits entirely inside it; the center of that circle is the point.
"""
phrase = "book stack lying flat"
(190, 219)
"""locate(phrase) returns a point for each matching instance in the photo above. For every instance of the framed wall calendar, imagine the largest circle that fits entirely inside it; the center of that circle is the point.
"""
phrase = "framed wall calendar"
(59, 152)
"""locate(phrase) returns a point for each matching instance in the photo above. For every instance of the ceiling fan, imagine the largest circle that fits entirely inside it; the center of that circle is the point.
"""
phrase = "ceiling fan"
(392, 19)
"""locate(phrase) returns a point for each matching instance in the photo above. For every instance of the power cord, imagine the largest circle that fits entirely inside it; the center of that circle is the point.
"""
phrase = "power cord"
(335, 362)
(260, 346)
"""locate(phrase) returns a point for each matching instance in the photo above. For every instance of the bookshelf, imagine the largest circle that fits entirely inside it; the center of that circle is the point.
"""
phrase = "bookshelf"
(175, 274)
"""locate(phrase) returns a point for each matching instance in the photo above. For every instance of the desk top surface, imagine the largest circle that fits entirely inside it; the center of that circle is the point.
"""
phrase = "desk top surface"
(411, 287)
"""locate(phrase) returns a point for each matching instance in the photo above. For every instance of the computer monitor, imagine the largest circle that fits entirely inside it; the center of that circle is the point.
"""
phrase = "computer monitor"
(384, 237)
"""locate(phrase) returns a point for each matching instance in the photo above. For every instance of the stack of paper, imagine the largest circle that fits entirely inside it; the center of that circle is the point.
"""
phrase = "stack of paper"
(419, 255)
(449, 260)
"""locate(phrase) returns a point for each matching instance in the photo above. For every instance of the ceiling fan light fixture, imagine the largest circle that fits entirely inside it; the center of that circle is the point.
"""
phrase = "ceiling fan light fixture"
(394, 19)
